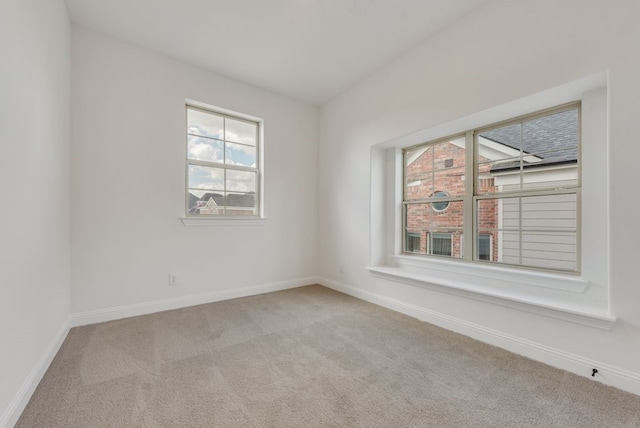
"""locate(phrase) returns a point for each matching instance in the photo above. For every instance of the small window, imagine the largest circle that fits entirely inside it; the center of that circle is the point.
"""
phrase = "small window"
(413, 242)
(440, 244)
(439, 206)
(485, 251)
(223, 159)
(484, 247)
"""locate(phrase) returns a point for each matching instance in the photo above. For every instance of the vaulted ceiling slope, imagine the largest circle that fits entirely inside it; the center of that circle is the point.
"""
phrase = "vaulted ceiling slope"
(310, 50)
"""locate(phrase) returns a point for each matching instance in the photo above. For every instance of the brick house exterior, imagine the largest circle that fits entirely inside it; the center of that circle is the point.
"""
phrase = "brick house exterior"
(439, 170)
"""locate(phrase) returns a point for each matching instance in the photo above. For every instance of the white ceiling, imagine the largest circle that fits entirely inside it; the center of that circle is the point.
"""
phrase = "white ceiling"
(310, 50)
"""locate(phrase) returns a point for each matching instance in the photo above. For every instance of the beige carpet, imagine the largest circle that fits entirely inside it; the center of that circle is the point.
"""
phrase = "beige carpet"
(308, 357)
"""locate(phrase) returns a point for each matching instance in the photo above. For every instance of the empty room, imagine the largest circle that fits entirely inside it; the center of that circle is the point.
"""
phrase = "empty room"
(319, 213)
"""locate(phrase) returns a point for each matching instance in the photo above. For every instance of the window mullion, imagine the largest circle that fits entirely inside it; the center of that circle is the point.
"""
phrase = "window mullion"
(533, 192)
(579, 230)
(469, 190)
(221, 165)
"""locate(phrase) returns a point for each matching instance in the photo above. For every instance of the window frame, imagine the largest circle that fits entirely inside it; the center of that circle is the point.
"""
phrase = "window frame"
(190, 219)
(472, 196)
(578, 298)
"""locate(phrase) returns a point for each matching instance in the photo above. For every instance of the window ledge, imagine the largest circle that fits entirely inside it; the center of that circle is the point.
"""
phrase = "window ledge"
(508, 277)
(498, 288)
(226, 221)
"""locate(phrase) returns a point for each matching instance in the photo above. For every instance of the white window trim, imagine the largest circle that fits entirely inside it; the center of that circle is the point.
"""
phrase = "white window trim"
(226, 221)
(258, 219)
(568, 312)
(582, 298)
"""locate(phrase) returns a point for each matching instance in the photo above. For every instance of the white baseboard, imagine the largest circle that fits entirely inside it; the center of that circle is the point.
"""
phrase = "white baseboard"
(110, 314)
(12, 413)
(607, 374)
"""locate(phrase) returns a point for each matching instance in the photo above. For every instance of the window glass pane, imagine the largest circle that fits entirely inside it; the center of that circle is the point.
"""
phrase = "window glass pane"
(419, 186)
(205, 203)
(540, 153)
(204, 124)
(564, 180)
(449, 154)
(206, 178)
(449, 181)
(553, 212)
(552, 250)
(505, 139)
(556, 133)
(435, 168)
(240, 132)
(421, 220)
(419, 158)
(487, 214)
(422, 216)
(500, 174)
(536, 231)
(241, 181)
(240, 204)
(205, 149)
(239, 154)
(509, 246)
(419, 173)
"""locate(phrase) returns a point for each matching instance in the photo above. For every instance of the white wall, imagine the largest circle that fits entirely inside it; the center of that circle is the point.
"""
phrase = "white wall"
(34, 187)
(503, 51)
(128, 178)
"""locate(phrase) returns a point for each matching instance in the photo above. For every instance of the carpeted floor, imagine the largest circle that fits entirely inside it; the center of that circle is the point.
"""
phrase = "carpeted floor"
(307, 357)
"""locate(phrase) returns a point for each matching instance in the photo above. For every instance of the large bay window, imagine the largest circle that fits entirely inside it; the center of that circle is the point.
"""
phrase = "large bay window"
(522, 203)
(503, 206)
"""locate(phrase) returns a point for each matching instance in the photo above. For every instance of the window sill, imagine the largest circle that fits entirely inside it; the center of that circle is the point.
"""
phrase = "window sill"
(495, 275)
(226, 221)
(503, 286)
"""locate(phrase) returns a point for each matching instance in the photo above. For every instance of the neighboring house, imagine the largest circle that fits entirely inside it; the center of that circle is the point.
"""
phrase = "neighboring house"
(534, 230)
(193, 202)
(436, 228)
(215, 203)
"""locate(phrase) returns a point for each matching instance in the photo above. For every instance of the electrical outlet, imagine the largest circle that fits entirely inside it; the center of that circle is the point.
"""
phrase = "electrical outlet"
(173, 280)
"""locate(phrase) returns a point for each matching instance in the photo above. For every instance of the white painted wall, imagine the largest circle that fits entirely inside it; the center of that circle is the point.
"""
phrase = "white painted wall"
(34, 188)
(128, 178)
(127, 171)
(503, 51)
